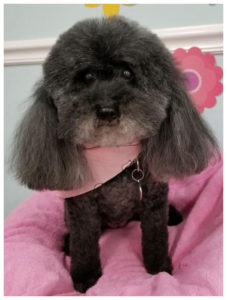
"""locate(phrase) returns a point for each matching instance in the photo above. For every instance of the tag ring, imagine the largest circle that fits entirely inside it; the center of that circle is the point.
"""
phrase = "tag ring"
(137, 175)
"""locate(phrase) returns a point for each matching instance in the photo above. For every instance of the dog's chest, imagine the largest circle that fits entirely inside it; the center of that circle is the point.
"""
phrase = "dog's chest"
(118, 200)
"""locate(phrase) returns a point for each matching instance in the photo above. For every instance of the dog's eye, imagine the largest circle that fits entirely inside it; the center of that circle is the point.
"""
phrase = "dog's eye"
(89, 77)
(127, 74)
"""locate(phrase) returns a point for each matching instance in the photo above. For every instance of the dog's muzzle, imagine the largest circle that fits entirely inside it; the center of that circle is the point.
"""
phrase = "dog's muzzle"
(107, 113)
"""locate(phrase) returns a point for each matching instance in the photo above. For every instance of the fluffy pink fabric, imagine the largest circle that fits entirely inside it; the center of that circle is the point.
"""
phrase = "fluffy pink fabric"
(35, 264)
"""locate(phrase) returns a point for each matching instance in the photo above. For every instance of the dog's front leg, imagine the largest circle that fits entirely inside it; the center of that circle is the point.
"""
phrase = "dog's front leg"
(84, 226)
(154, 219)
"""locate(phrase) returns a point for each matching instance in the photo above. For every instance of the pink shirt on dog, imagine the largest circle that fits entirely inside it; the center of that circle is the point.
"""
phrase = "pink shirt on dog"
(104, 164)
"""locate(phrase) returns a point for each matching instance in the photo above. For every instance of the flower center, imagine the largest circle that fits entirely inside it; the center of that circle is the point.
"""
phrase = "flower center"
(193, 80)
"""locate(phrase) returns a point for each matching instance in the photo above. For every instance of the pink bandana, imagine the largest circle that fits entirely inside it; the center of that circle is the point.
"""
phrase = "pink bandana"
(104, 164)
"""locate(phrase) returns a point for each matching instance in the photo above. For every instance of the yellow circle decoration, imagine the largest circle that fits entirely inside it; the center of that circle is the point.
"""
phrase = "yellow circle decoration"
(109, 9)
(91, 5)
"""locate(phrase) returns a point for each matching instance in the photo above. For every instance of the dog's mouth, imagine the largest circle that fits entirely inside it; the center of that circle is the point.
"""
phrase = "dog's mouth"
(90, 147)
(123, 132)
(106, 123)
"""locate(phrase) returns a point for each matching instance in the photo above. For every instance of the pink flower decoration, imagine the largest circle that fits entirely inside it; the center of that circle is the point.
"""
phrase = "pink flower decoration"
(201, 76)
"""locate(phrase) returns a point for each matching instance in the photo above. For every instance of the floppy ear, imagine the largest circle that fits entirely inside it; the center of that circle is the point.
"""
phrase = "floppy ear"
(41, 160)
(184, 144)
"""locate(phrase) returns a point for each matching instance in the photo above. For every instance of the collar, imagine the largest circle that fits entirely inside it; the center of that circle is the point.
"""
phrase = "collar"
(104, 164)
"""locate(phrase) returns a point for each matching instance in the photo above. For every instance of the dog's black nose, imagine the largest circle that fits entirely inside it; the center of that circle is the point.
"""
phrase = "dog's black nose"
(107, 113)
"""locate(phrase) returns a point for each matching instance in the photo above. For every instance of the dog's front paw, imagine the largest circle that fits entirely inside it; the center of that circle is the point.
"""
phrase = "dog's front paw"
(154, 267)
(84, 279)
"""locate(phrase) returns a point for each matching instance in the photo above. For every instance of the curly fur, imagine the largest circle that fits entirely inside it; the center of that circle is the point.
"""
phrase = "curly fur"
(150, 106)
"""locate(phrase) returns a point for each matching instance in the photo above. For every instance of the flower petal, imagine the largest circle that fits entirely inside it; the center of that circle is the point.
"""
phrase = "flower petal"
(219, 72)
(91, 5)
(218, 88)
(209, 59)
(110, 9)
(200, 109)
(211, 101)
(179, 54)
(195, 51)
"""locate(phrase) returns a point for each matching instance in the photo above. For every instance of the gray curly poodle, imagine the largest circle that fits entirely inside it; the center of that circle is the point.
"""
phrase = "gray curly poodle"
(110, 82)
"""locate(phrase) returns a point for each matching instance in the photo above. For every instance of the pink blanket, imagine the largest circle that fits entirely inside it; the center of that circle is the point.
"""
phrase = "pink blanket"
(36, 265)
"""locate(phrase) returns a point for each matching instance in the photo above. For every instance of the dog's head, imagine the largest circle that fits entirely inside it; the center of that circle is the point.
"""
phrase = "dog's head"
(109, 82)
